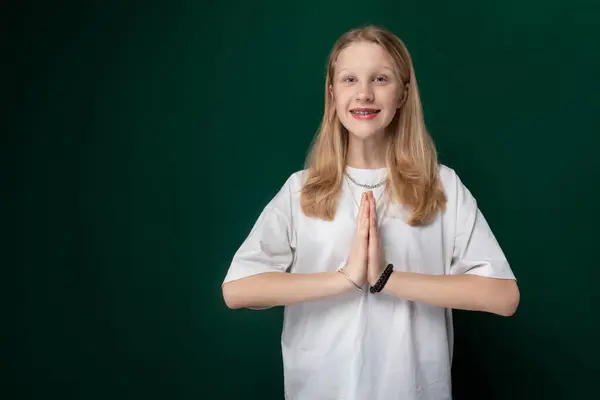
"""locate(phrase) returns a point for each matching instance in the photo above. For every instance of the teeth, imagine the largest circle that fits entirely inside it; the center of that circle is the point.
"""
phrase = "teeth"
(364, 112)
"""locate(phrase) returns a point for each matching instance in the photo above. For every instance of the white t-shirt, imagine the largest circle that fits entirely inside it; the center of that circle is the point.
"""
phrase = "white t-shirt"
(358, 345)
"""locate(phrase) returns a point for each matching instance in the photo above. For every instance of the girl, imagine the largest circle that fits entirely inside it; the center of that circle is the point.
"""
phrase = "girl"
(372, 245)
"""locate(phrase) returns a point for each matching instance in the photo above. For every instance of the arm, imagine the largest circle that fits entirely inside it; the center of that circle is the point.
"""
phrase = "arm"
(479, 278)
(278, 289)
(257, 279)
(465, 292)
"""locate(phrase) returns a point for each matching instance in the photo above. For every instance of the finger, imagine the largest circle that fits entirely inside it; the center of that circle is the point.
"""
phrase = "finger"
(361, 212)
(373, 230)
(365, 217)
(361, 208)
(373, 212)
(367, 209)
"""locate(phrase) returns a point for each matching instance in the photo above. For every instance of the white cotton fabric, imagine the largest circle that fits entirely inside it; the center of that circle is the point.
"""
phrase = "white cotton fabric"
(358, 345)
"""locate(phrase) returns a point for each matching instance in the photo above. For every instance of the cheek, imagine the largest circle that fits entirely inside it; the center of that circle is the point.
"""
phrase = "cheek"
(341, 99)
(389, 98)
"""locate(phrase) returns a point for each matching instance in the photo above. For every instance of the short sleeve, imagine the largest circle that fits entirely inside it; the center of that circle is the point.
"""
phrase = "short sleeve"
(269, 245)
(476, 250)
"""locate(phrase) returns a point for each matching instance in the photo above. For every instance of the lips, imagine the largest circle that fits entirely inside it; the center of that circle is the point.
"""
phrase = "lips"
(364, 111)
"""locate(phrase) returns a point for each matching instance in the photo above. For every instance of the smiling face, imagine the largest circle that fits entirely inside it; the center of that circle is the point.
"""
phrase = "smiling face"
(365, 89)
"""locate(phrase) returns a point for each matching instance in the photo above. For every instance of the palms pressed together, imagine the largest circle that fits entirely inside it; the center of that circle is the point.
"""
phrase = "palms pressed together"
(365, 261)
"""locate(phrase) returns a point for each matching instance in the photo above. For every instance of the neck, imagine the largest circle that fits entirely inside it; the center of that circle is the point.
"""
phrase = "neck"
(365, 153)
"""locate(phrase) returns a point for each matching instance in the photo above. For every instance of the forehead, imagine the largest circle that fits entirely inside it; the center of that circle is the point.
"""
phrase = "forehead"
(363, 56)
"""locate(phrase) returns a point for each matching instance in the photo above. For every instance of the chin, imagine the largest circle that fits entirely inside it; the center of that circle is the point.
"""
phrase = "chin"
(364, 129)
(362, 135)
(363, 132)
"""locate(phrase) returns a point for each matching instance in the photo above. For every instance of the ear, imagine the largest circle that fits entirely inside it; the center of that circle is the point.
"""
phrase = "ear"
(403, 97)
(331, 91)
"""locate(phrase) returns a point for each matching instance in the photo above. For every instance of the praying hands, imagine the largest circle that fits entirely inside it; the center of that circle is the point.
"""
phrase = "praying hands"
(365, 263)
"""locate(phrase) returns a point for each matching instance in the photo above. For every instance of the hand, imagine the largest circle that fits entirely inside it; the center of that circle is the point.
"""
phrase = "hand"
(356, 267)
(375, 264)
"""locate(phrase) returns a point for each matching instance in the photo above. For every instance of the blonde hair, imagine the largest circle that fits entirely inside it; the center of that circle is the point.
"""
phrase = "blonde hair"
(411, 156)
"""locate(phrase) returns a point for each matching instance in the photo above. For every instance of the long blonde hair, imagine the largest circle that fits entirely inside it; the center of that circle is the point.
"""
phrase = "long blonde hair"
(411, 156)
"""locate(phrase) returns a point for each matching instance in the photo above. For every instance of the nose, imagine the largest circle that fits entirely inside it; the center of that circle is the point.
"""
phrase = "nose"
(364, 92)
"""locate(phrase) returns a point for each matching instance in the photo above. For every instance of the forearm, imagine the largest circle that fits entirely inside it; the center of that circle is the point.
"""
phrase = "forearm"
(464, 292)
(279, 289)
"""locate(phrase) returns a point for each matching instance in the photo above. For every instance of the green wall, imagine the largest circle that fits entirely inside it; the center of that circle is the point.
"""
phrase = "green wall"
(151, 135)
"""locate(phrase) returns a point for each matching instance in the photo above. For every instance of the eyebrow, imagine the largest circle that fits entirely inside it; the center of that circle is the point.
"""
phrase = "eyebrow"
(381, 66)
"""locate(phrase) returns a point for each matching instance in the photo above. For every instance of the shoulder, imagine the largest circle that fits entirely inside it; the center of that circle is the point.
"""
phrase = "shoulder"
(450, 180)
(448, 175)
(457, 194)
(289, 190)
(294, 182)
(296, 179)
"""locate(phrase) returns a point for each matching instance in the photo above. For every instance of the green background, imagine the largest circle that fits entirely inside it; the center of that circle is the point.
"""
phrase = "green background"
(151, 134)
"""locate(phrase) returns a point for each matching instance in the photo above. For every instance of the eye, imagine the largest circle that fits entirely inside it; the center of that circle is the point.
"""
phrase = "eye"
(381, 79)
(349, 79)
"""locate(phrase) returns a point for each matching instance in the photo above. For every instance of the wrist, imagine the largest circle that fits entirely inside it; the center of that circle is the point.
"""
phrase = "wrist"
(374, 276)
(373, 279)
(382, 279)
(350, 281)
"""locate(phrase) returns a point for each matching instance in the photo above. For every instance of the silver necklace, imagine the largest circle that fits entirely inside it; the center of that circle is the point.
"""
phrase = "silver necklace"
(364, 185)
(354, 198)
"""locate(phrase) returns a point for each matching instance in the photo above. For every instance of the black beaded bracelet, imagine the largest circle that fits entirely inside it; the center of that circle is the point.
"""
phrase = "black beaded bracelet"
(382, 279)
